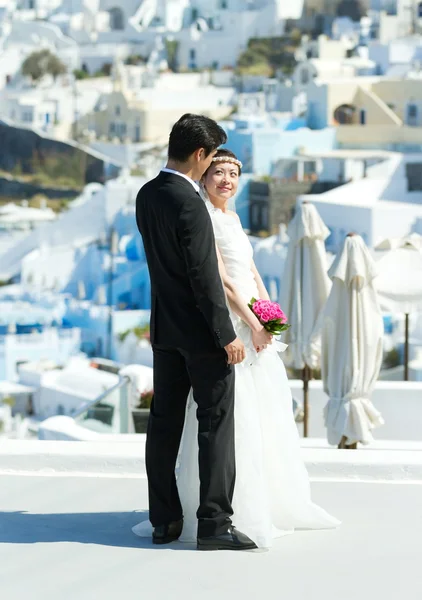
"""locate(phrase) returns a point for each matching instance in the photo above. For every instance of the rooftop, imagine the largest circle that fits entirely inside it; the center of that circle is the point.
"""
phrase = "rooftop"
(69, 531)
(344, 153)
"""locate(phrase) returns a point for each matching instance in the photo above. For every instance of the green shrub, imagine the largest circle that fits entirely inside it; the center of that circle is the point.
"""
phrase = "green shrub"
(9, 400)
(141, 332)
(146, 399)
(264, 56)
(392, 359)
(80, 74)
(42, 62)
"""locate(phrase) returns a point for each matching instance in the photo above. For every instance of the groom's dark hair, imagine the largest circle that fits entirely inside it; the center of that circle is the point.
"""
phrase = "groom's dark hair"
(192, 132)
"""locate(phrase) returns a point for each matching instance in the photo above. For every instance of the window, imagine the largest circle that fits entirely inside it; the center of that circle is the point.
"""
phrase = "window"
(362, 116)
(412, 111)
(117, 19)
(304, 76)
(117, 111)
(412, 114)
(255, 216)
(192, 54)
(264, 217)
(223, 4)
(414, 177)
(345, 114)
(118, 129)
(27, 116)
(259, 216)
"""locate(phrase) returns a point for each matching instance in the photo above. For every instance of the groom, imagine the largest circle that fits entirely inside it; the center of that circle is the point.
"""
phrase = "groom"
(193, 341)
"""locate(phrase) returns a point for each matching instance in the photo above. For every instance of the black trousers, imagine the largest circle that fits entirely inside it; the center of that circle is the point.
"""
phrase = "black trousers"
(212, 380)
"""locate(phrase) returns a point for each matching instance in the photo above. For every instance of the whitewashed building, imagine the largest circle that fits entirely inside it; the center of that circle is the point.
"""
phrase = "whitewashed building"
(386, 202)
(206, 33)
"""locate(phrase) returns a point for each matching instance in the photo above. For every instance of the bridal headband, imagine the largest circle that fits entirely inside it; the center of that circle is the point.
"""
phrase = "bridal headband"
(228, 159)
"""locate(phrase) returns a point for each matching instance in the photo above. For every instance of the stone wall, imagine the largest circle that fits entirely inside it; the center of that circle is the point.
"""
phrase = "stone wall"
(28, 152)
(283, 197)
(18, 189)
(273, 202)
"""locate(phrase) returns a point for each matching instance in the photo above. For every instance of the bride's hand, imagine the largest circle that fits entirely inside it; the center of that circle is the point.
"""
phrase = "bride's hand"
(261, 339)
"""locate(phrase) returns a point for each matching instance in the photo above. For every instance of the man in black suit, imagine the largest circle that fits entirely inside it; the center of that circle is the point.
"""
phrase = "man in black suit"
(193, 340)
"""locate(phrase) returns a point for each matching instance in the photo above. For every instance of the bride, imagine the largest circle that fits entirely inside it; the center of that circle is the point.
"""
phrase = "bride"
(272, 492)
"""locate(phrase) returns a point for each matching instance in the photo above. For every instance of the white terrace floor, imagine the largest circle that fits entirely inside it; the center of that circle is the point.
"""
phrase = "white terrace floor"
(65, 534)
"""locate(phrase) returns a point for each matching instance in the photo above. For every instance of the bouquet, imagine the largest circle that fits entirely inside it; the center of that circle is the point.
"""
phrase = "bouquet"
(270, 315)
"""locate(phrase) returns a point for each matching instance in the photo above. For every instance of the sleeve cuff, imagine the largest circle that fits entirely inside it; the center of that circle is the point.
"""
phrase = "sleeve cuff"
(224, 337)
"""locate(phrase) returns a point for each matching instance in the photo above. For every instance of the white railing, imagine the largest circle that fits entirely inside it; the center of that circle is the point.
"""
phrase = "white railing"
(116, 400)
(400, 403)
(39, 338)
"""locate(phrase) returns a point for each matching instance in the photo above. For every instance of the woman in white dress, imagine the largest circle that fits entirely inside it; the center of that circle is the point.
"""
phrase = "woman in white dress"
(272, 491)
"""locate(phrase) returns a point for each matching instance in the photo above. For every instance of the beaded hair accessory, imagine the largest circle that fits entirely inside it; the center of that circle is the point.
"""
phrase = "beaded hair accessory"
(228, 159)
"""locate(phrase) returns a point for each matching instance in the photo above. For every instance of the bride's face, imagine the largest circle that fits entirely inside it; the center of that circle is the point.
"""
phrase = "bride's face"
(221, 181)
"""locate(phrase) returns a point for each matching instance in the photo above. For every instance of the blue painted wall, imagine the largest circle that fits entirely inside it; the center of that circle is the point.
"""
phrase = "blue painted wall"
(260, 149)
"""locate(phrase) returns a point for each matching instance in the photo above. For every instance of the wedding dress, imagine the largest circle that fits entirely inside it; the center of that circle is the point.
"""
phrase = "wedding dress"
(272, 492)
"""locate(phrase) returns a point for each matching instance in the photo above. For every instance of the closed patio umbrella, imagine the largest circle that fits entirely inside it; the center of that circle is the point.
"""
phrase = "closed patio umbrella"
(352, 338)
(304, 290)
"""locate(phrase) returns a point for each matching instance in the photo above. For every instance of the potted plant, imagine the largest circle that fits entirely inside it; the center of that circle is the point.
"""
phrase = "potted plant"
(141, 412)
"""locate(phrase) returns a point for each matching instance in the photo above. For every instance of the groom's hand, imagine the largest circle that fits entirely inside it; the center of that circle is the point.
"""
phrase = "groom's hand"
(235, 352)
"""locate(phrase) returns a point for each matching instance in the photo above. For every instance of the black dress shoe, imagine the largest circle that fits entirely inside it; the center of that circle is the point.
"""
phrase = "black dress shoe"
(231, 540)
(164, 534)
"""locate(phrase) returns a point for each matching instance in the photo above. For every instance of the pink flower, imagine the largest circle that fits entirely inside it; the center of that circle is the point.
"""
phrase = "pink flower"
(267, 311)
(261, 309)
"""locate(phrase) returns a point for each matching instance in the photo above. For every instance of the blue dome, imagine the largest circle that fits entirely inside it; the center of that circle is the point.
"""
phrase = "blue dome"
(134, 249)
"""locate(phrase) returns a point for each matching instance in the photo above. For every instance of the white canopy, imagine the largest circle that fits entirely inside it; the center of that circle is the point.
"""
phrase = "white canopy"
(399, 281)
(26, 214)
(304, 285)
(8, 208)
(352, 337)
(12, 388)
(413, 240)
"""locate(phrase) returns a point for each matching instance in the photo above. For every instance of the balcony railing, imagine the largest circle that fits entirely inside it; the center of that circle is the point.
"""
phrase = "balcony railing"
(110, 412)
(40, 337)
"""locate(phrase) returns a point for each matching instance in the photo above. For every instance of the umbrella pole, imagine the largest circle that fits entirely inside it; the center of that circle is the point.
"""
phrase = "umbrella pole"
(306, 376)
(406, 346)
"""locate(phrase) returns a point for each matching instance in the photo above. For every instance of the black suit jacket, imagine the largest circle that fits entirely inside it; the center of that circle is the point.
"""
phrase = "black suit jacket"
(188, 306)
